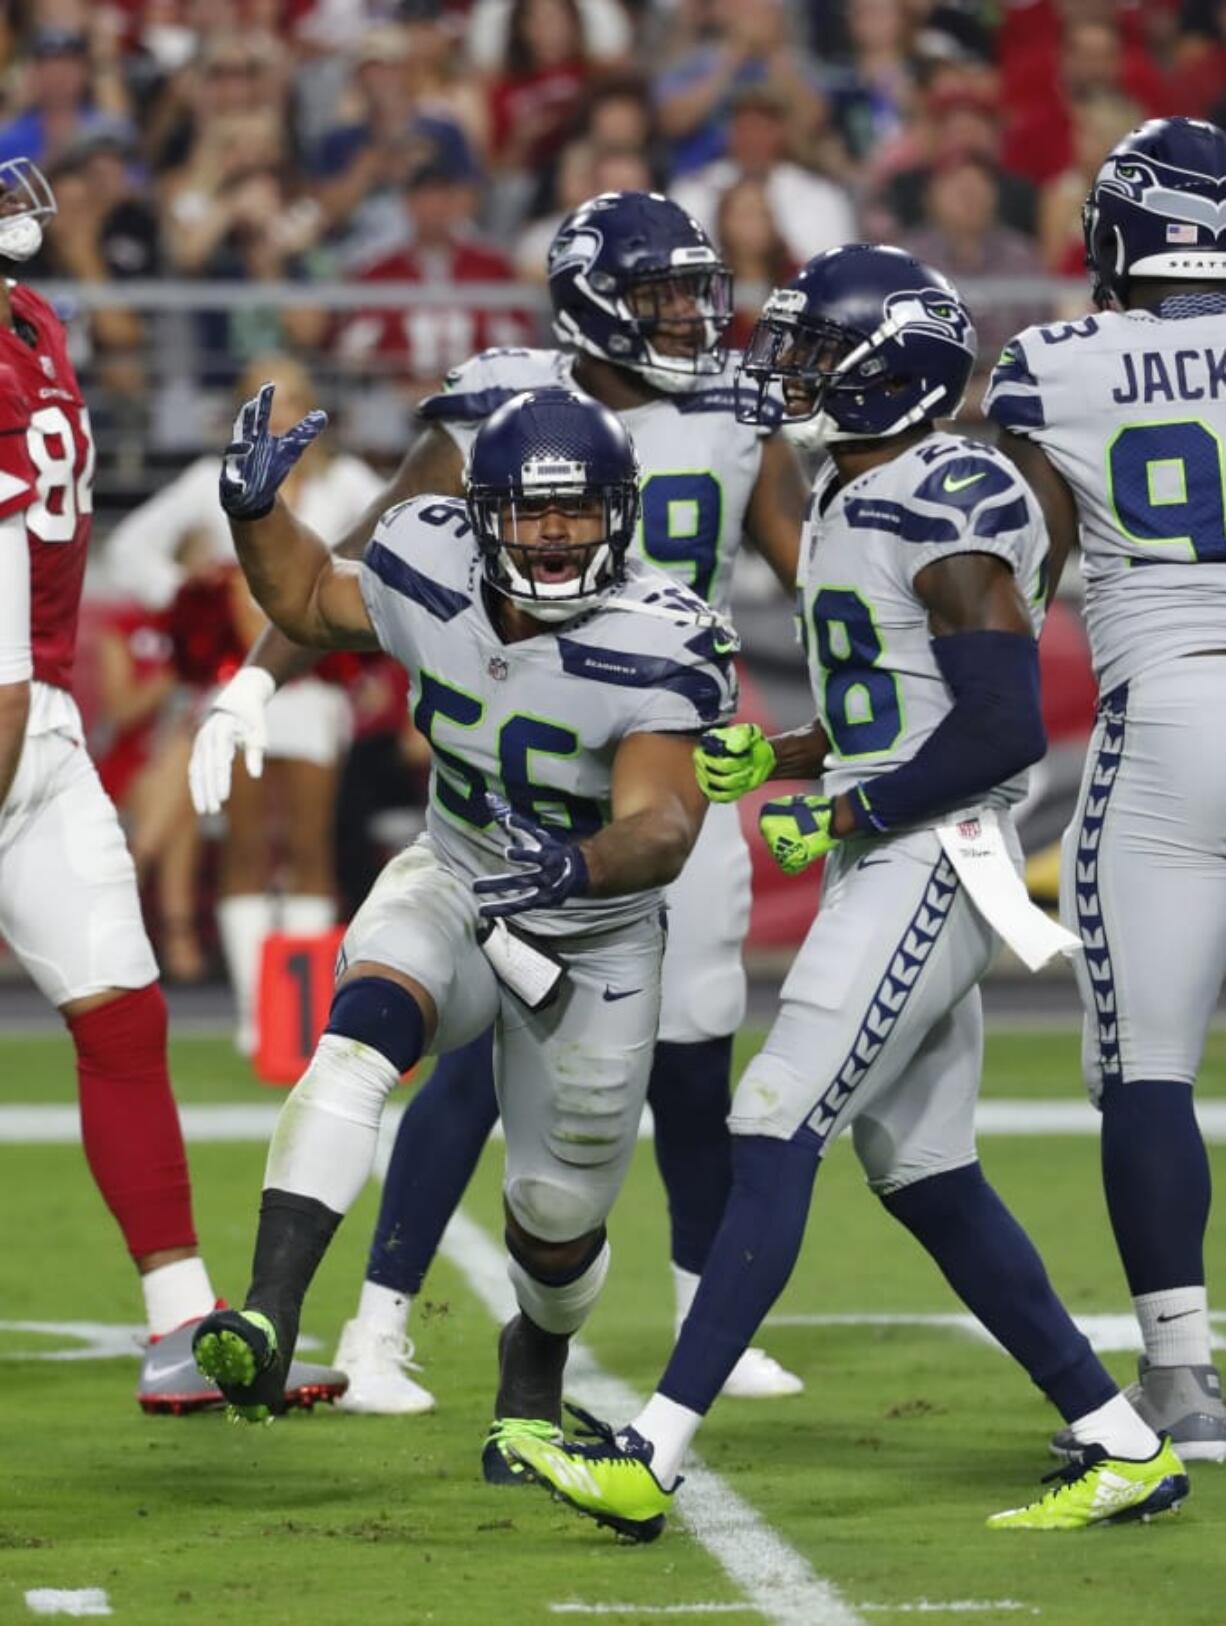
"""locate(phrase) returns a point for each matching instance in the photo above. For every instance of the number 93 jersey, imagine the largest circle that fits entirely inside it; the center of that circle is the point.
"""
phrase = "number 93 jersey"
(699, 465)
(1131, 409)
(878, 688)
(46, 471)
(540, 720)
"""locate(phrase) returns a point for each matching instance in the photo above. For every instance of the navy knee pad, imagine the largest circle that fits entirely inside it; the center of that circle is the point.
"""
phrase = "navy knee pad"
(380, 1013)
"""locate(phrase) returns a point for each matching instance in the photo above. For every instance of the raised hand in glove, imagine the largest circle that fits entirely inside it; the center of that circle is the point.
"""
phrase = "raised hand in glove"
(728, 762)
(797, 829)
(551, 869)
(256, 461)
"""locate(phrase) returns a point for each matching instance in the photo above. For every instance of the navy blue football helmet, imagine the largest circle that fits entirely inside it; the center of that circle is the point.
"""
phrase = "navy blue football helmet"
(1158, 208)
(552, 450)
(635, 280)
(864, 341)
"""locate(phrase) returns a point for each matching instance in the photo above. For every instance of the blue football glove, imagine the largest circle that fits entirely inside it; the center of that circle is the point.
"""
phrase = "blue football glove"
(553, 870)
(257, 461)
(797, 830)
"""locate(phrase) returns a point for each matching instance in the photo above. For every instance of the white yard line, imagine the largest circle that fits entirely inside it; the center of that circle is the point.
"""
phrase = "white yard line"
(222, 1122)
(80, 1603)
(778, 1582)
(957, 1606)
(635, 1610)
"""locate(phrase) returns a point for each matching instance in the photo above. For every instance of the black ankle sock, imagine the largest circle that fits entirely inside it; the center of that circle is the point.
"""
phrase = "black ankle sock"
(531, 1362)
(293, 1236)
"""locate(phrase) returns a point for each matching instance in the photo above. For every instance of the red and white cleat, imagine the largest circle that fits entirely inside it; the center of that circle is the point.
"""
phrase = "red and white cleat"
(171, 1382)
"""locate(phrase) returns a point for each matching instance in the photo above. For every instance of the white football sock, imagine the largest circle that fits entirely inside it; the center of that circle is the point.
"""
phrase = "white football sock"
(326, 1135)
(1175, 1326)
(384, 1310)
(670, 1428)
(304, 915)
(1118, 1429)
(176, 1293)
(243, 922)
(685, 1285)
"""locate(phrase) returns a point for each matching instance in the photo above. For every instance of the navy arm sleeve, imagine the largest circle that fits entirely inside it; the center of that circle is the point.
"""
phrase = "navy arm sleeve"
(993, 730)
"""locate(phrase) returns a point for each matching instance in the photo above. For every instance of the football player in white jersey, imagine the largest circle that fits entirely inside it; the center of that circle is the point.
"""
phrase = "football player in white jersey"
(640, 300)
(561, 687)
(1119, 424)
(922, 596)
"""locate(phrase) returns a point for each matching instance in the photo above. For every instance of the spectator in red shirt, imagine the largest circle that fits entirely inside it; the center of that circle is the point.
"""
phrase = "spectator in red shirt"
(1098, 124)
(534, 99)
(417, 345)
(1054, 54)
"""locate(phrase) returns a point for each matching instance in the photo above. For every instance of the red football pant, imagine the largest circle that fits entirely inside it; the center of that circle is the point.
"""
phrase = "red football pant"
(129, 1121)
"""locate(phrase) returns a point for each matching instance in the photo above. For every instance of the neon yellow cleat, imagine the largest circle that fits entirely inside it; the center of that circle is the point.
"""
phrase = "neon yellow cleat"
(610, 1481)
(238, 1350)
(498, 1464)
(1103, 1490)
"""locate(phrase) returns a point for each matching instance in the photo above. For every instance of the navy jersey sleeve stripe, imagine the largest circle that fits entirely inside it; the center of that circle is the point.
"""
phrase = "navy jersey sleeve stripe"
(444, 603)
(876, 514)
(463, 408)
(1009, 516)
(633, 671)
(1017, 411)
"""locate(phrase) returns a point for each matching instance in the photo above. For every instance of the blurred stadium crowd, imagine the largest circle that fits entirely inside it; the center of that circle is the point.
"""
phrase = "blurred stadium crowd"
(319, 179)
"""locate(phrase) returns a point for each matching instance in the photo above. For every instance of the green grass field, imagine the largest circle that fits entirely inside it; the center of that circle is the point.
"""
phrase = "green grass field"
(879, 1476)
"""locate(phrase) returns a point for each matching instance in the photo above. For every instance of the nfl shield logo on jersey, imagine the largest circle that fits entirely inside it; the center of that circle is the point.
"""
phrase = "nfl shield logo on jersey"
(969, 829)
(498, 668)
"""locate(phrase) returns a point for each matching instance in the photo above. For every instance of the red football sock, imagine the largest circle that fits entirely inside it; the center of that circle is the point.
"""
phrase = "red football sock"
(129, 1121)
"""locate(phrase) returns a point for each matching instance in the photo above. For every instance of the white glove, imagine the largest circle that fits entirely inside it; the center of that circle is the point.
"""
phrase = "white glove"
(235, 723)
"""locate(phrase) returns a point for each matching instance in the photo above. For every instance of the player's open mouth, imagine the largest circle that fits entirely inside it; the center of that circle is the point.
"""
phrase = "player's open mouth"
(554, 567)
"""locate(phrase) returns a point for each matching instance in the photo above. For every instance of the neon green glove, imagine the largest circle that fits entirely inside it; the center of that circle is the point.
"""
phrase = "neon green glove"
(797, 831)
(730, 761)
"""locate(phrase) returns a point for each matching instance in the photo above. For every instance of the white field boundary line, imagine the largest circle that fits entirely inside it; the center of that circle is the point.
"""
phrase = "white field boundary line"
(780, 1585)
(218, 1123)
(79, 1603)
(633, 1611)
(921, 1606)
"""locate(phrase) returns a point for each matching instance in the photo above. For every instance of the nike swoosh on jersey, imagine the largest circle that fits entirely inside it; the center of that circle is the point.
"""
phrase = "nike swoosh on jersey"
(952, 484)
(625, 993)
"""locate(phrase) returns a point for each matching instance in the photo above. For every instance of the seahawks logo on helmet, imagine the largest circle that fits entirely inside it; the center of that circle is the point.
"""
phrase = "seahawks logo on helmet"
(929, 310)
(575, 251)
(1138, 181)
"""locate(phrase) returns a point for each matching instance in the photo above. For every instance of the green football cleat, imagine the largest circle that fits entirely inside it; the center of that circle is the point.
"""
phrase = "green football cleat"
(1103, 1490)
(498, 1465)
(610, 1481)
(238, 1350)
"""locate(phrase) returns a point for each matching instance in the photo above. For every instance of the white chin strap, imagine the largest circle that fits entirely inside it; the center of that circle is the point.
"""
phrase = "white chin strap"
(21, 237)
(555, 601)
(827, 430)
